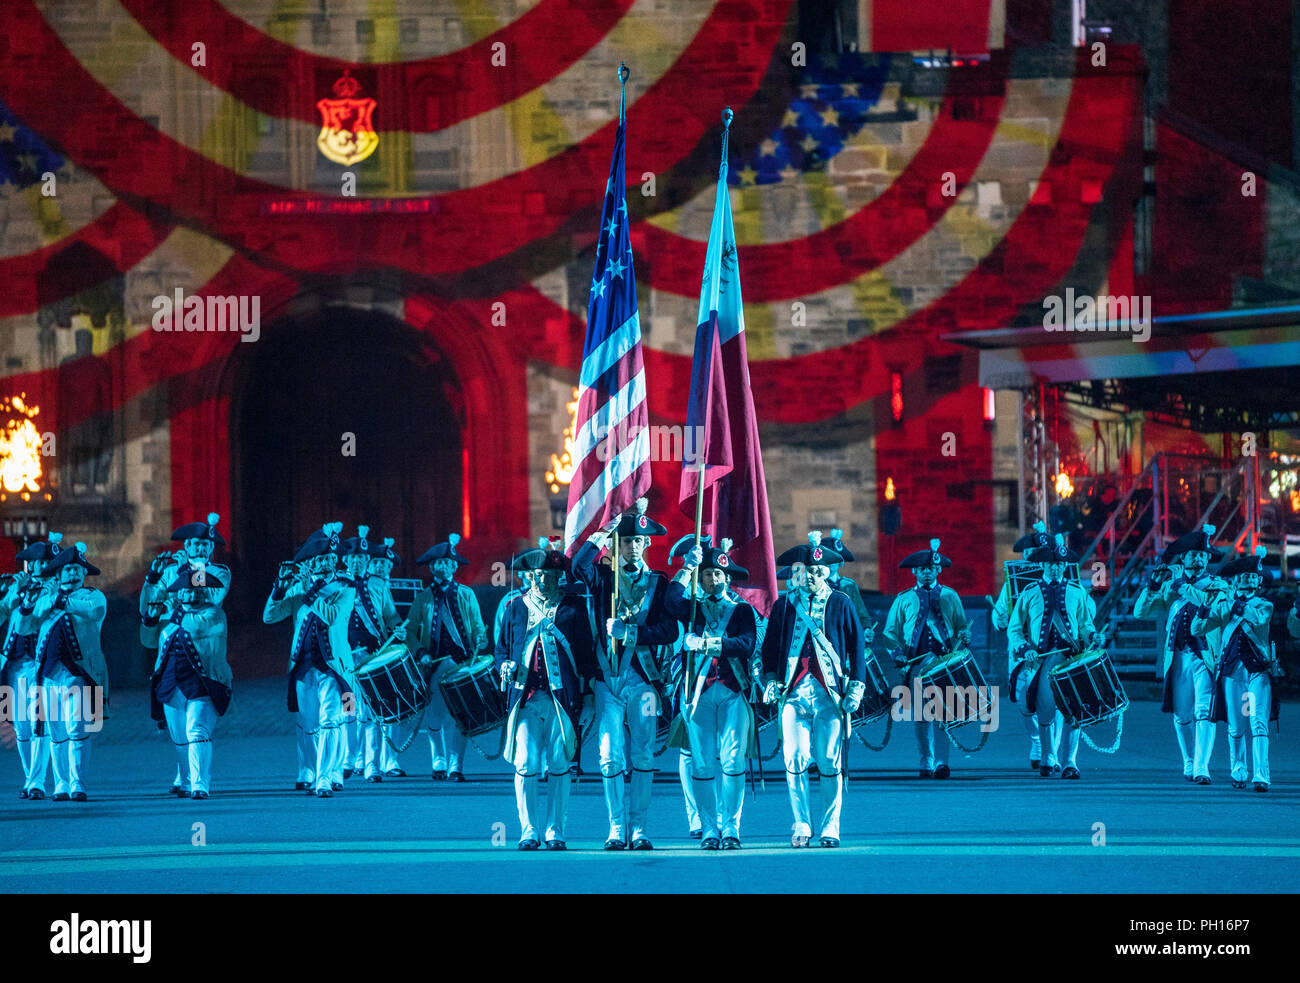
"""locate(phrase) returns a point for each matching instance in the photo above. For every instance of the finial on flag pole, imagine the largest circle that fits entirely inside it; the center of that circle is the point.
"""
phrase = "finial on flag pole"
(727, 116)
(623, 76)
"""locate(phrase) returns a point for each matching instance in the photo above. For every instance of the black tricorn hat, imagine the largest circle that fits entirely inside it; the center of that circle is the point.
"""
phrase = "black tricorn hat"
(539, 559)
(321, 541)
(42, 550)
(685, 544)
(67, 557)
(717, 558)
(1197, 540)
(926, 558)
(358, 543)
(194, 576)
(444, 551)
(1032, 540)
(1058, 552)
(200, 530)
(384, 550)
(636, 523)
(811, 553)
(836, 542)
(1246, 563)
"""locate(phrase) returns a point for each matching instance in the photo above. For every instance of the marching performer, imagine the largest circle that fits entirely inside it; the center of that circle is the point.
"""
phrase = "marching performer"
(18, 662)
(1025, 545)
(1293, 619)
(632, 651)
(515, 591)
(721, 645)
(923, 622)
(382, 560)
(546, 656)
(837, 580)
(1052, 621)
(71, 670)
(1189, 658)
(191, 682)
(372, 621)
(1244, 688)
(814, 669)
(448, 630)
(320, 655)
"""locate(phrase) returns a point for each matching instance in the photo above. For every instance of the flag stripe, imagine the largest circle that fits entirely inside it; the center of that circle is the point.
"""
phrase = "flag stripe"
(627, 463)
(610, 351)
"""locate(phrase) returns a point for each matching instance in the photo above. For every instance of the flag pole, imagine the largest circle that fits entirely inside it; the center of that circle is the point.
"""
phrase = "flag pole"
(623, 74)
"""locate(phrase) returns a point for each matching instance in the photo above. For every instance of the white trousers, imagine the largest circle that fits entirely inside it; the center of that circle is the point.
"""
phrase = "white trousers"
(718, 727)
(190, 724)
(66, 702)
(684, 769)
(1248, 697)
(539, 743)
(33, 751)
(306, 745)
(627, 698)
(1193, 686)
(811, 730)
(1052, 719)
(320, 714)
(1032, 727)
(446, 742)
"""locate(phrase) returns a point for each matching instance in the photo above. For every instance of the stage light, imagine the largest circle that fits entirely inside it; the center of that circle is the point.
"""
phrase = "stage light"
(896, 395)
(989, 406)
(1064, 489)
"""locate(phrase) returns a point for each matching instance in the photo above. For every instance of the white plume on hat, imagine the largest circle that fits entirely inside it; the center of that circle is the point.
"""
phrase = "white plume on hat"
(543, 543)
(389, 542)
(1040, 526)
(725, 545)
(641, 505)
(1261, 551)
(361, 531)
(815, 537)
(56, 537)
(453, 539)
(1060, 539)
(1208, 530)
(213, 518)
(934, 544)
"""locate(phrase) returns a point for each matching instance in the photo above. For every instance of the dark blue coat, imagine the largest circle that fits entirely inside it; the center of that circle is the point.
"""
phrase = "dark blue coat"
(573, 621)
(842, 627)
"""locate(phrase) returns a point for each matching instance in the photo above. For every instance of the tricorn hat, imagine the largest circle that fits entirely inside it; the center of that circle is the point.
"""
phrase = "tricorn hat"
(67, 558)
(811, 553)
(41, 550)
(200, 530)
(1033, 540)
(636, 523)
(1246, 563)
(836, 542)
(717, 558)
(444, 551)
(926, 558)
(358, 543)
(384, 550)
(1058, 552)
(1197, 540)
(686, 544)
(541, 559)
(321, 541)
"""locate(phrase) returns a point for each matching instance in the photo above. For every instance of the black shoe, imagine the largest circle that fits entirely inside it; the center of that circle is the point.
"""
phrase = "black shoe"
(1056, 769)
(78, 796)
(710, 843)
(348, 773)
(1261, 786)
(926, 773)
(941, 772)
(455, 776)
(728, 843)
(1187, 778)
(179, 791)
(22, 793)
(35, 793)
(297, 787)
(695, 834)
(439, 776)
(394, 773)
(336, 786)
(1201, 780)
(1238, 783)
(614, 843)
(61, 797)
(830, 841)
(375, 778)
(643, 843)
(555, 845)
(198, 794)
(1045, 771)
(324, 793)
(1033, 764)
(1070, 772)
(528, 844)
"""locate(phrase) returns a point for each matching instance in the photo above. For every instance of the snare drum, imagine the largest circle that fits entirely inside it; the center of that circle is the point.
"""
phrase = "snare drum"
(472, 693)
(961, 684)
(878, 699)
(391, 683)
(1087, 689)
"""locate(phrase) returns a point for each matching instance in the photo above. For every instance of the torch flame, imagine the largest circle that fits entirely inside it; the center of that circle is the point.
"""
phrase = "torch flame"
(20, 447)
(562, 466)
(889, 489)
(1064, 489)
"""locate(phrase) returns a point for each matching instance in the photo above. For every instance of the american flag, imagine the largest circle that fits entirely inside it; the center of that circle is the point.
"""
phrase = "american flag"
(611, 447)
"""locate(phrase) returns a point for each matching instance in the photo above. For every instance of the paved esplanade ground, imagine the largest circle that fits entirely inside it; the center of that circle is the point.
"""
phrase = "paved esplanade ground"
(995, 826)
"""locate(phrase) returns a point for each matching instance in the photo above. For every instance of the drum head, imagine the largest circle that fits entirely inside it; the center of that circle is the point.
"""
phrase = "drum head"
(390, 654)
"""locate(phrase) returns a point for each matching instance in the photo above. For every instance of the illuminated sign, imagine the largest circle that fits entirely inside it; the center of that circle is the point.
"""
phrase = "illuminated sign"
(347, 133)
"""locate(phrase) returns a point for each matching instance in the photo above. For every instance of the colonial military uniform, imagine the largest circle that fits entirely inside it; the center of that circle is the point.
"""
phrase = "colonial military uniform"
(1243, 686)
(1020, 691)
(320, 657)
(447, 630)
(720, 651)
(547, 656)
(838, 581)
(1189, 659)
(71, 670)
(373, 619)
(382, 560)
(814, 668)
(191, 682)
(1051, 622)
(18, 662)
(633, 652)
(924, 622)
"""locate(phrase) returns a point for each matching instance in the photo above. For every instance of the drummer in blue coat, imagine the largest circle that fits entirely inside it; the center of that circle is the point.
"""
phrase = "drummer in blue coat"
(447, 630)
(382, 560)
(546, 656)
(926, 621)
(814, 669)
(1051, 622)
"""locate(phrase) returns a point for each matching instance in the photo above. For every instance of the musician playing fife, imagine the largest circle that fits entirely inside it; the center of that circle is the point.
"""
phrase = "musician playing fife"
(546, 656)
(320, 656)
(632, 653)
(18, 661)
(1190, 658)
(925, 622)
(1244, 687)
(372, 621)
(1025, 545)
(1051, 622)
(715, 698)
(814, 670)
